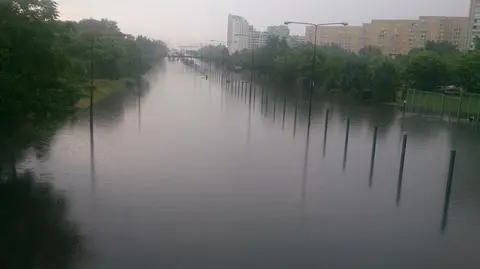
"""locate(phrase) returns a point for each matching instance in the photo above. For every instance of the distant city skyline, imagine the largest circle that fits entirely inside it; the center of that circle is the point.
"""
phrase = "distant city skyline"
(180, 22)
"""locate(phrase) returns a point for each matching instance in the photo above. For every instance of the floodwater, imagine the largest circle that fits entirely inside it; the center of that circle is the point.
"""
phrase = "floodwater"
(189, 174)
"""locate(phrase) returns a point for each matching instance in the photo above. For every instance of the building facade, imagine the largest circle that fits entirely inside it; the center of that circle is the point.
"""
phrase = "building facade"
(348, 38)
(257, 39)
(391, 36)
(474, 23)
(448, 29)
(401, 36)
(281, 31)
(237, 34)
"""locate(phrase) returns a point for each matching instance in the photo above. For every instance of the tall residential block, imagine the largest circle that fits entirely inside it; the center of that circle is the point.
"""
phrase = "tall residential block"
(391, 36)
(474, 23)
(449, 29)
(241, 35)
(237, 33)
(281, 31)
(348, 38)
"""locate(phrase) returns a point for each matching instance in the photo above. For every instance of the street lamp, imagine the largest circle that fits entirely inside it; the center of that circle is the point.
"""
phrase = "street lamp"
(312, 83)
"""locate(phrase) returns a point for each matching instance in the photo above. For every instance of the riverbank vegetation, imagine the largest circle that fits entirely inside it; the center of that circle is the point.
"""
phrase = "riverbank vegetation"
(46, 63)
(364, 75)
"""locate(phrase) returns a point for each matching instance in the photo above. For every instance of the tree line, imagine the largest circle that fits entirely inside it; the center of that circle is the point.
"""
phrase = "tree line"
(367, 74)
(46, 63)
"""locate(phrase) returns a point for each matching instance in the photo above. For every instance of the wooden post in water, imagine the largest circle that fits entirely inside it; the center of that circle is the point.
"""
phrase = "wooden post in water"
(402, 166)
(325, 133)
(347, 134)
(448, 190)
(372, 159)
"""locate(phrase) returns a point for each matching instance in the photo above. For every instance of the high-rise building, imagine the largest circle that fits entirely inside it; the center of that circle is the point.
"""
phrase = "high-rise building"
(257, 39)
(448, 29)
(348, 38)
(241, 35)
(238, 33)
(474, 23)
(296, 40)
(391, 36)
(281, 31)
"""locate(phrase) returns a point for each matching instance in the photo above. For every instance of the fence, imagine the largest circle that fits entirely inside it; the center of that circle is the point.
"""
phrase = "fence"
(465, 106)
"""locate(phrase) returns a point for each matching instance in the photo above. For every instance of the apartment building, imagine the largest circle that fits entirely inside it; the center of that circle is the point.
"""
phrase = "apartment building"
(348, 38)
(281, 31)
(474, 23)
(257, 39)
(391, 36)
(449, 29)
(237, 34)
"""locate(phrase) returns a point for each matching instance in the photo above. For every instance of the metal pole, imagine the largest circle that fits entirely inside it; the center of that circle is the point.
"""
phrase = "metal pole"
(448, 189)
(347, 134)
(312, 83)
(92, 87)
(402, 166)
(251, 77)
(327, 115)
(372, 160)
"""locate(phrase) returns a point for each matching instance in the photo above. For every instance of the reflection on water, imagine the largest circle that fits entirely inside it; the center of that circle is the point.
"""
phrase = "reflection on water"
(189, 191)
(34, 229)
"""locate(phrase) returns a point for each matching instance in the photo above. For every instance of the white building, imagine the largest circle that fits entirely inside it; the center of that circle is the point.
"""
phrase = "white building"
(241, 35)
(257, 39)
(281, 31)
(474, 29)
(238, 33)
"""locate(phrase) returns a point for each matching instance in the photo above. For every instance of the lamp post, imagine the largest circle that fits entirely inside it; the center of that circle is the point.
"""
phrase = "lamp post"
(312, 82)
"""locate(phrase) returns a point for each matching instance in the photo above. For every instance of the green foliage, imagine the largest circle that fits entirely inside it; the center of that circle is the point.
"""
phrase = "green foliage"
(45, 63)
(441, 47)
(370, 51)
(468, 72)
(426, 70)
(385, 81)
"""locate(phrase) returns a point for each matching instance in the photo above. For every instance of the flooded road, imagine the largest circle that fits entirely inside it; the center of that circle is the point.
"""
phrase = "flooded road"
(189, 175)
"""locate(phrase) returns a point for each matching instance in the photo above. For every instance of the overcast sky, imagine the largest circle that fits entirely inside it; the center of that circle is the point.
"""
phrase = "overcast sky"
(189, 22)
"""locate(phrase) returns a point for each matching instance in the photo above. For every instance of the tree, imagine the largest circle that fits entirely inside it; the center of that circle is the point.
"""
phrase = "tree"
(356, 75)
(370, 51)
(425, 71)
(468, 72)
(441, 47)
(33, 74)
(385, 81)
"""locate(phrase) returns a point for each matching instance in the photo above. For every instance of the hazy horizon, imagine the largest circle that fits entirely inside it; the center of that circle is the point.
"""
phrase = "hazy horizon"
(191, 22)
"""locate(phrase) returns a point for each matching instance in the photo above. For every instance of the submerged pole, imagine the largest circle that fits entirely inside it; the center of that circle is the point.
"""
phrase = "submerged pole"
(347, 134)
(448, 190)
(402, 166)
(372, 159)
(325, 133)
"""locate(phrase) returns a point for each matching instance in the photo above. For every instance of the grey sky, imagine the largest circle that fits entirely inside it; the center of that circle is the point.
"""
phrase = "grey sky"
(193, 21)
